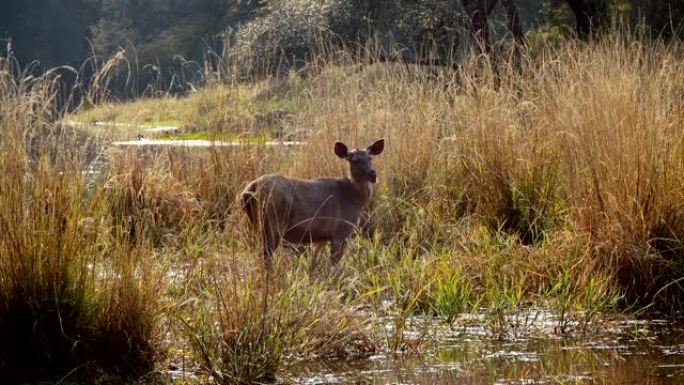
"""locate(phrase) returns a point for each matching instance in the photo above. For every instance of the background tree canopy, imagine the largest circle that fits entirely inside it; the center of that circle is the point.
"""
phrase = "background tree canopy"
(56, 32)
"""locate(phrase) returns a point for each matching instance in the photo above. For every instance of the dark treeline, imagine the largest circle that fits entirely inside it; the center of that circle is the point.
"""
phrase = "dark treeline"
(49, 33)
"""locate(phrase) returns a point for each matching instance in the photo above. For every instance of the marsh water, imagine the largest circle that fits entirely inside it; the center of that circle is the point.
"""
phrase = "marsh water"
(616, 352)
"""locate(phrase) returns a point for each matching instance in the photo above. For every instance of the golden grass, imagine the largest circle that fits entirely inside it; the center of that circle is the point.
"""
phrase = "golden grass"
(75, 298)
(551, 179)
(581, 139)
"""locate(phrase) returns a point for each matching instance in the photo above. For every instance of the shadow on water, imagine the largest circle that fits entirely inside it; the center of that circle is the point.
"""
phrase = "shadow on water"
(625, 352)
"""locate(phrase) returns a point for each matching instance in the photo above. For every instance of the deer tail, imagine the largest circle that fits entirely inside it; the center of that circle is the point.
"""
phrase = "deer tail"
(249, 202)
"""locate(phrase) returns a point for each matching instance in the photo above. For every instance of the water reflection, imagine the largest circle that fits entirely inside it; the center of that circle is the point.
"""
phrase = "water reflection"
(628, 352)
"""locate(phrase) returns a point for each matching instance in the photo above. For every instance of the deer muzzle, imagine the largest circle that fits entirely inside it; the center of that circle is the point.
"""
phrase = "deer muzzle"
(372, 176)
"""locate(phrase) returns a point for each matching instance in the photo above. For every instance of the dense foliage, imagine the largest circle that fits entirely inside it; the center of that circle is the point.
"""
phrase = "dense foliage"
(157, 31)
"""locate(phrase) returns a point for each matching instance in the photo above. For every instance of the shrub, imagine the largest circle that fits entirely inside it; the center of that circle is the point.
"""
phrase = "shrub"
(250, 327)
(74, 299)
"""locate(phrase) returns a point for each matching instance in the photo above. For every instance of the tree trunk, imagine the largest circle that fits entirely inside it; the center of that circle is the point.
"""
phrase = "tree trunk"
(477, 11)
(589, 17)
(514, 25)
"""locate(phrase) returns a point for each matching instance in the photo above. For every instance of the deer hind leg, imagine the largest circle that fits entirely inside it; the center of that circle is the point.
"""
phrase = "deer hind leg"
(271, 241)
(337, 250)
(272, 230)
(316, 251)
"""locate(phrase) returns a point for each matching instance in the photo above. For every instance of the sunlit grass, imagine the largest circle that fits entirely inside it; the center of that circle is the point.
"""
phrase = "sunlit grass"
(76, 298)
(552, 181)
(240, 110)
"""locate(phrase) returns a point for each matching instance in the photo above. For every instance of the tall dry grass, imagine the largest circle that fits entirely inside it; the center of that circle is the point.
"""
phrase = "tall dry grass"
(581, 137)
(551, 178)
(579, 141)
(75, 297)
(243, 330)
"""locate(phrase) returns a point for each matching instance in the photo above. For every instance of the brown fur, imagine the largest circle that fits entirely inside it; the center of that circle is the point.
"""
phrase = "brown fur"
(307, 211)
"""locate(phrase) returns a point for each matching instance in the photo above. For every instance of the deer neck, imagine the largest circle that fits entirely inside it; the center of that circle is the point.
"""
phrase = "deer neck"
(363, 188)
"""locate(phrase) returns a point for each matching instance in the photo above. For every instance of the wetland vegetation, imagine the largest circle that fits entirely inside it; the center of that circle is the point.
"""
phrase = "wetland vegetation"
(527, 224)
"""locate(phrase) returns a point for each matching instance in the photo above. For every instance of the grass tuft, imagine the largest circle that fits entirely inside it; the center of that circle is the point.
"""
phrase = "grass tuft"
(74, 298)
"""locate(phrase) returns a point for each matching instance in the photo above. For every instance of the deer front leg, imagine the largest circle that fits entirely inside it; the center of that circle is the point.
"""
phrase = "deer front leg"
(315, 257)
(337, 250)
(271, 240)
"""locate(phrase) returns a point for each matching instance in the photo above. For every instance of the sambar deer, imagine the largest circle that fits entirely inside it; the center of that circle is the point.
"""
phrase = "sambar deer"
(312, 211)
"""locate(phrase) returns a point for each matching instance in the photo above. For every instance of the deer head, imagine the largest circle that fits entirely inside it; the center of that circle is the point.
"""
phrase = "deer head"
(360, 160)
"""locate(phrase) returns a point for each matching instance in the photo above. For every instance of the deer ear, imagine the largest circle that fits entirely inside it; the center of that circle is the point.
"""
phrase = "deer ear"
(377, 147)
(341, 149)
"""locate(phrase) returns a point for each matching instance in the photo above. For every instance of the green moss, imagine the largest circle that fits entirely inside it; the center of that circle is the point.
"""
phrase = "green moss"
(260, 108)
(203, 135)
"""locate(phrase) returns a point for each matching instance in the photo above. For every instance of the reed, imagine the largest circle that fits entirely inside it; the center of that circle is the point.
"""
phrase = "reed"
(546, 180)
(75, 298)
